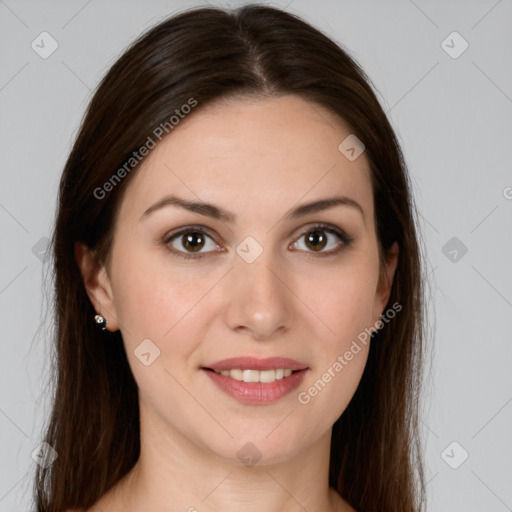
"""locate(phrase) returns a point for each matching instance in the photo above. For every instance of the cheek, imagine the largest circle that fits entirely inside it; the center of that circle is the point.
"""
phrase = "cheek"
(152, 298)
(347, 301)
(346, 306)
(332, 382)
(334, 388)
(156, 304)
(166, 304)
(340, 358)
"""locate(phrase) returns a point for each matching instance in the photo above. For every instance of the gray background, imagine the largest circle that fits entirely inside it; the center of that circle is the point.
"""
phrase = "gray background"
(453, 118)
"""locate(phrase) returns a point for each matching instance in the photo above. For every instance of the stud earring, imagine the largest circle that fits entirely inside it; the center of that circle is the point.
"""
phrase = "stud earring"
(102, 323)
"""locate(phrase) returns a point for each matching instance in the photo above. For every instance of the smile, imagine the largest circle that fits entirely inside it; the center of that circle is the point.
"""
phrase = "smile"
(266, 376)
(256, 387)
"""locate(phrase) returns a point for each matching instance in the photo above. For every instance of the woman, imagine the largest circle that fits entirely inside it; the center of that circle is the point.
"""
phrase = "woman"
(238, 282)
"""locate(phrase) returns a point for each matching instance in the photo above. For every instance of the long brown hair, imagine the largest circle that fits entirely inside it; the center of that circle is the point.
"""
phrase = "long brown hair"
(208, 54)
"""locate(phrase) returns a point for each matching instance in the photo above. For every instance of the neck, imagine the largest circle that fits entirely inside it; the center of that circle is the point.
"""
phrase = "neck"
(173, 470)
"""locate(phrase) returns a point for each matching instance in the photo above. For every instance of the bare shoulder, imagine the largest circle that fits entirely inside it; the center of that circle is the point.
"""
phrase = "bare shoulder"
(344, 506)
(340, 505)
(347, 507)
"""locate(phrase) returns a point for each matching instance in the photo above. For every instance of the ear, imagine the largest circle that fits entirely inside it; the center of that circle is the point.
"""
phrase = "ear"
(97, 285)
(386, 280)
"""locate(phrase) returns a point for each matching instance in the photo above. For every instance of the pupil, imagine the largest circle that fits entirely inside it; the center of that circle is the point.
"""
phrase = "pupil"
(189, 241)
(315, 238)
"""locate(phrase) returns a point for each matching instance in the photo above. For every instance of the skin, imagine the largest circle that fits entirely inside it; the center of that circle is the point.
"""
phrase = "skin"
(257, 158)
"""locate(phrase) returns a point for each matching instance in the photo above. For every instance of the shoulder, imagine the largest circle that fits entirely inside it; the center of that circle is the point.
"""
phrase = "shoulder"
(339, 504)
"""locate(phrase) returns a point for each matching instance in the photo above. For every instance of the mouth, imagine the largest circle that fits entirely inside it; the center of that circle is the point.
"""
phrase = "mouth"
(248, 375)
(256, 381)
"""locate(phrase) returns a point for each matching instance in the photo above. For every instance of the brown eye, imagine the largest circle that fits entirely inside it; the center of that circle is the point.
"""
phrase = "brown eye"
(316, 240)
(320, 237)
(190, 243)
(193, 242)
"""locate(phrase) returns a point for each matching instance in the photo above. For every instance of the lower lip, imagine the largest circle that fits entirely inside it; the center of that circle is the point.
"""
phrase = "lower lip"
(257, 392)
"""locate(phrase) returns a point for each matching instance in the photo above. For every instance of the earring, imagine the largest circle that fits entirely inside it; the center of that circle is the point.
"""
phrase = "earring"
(100, 320)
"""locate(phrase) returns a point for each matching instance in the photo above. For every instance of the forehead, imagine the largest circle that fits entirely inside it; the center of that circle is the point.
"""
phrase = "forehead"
(248, 153)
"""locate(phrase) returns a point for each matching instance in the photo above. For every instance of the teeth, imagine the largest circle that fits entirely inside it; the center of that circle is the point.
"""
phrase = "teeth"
(236, 374)
(251, 376)
(265, 376)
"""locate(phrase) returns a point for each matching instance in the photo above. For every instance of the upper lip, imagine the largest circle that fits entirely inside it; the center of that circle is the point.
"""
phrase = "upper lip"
(253, 363)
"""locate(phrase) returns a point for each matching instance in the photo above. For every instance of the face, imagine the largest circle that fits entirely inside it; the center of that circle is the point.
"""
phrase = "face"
(251, 276)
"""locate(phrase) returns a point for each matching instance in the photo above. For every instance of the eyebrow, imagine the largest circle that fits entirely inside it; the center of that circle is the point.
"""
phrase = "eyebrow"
(216, 212)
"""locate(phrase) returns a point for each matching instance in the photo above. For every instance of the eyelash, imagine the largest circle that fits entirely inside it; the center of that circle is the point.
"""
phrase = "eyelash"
(346, 240)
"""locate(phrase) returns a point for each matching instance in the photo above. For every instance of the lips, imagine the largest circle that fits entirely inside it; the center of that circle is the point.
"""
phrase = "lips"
(256, 381)
(252, 363)
(256, 375)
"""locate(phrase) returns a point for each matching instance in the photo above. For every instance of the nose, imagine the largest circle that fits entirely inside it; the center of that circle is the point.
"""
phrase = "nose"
(259, 298)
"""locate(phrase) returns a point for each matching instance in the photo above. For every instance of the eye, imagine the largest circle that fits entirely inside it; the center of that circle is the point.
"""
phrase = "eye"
(190, 242)
(318, 238)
